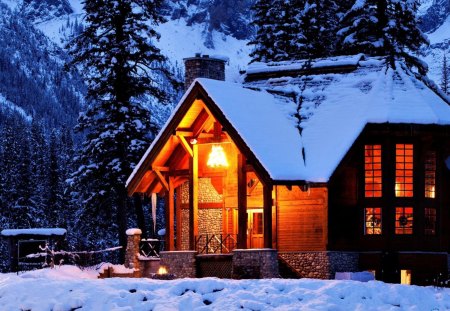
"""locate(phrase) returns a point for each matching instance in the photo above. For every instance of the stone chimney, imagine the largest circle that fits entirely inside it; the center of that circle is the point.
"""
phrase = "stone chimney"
(203, 66)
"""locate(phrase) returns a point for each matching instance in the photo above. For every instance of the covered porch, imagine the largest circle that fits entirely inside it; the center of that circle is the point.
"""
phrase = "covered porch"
(218, 195)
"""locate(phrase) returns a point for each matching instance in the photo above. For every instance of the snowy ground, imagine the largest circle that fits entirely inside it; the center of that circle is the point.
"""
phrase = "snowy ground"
(68, 288)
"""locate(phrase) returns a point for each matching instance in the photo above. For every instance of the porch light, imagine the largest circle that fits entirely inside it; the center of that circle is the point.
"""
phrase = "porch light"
(217, 157)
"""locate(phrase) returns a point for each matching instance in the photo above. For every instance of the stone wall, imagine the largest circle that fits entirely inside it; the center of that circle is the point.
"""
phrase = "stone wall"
(206, 192)
(255, 264)
(180, 263)
(321, 265)
(209, 222)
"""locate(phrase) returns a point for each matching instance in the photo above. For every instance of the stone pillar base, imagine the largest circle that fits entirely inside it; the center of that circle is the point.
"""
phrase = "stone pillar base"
(180, 263)
(255, 264)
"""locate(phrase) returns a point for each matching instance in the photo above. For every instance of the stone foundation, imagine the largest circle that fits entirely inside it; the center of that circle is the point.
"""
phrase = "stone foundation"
(321, 265)
(149, 266)
(255, 264)
(180, 263)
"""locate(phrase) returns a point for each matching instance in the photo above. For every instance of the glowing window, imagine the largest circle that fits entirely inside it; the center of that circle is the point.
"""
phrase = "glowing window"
(430, 174)
(372, 171)
(404, 170)
(404, 220)
(430, 221)
(405, 277)
(372, 218)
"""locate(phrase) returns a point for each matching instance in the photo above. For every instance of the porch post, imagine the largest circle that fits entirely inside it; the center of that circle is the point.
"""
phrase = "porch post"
(242, 202)
(267, 194)
(178, 219)
(193, 197)
(170, 217)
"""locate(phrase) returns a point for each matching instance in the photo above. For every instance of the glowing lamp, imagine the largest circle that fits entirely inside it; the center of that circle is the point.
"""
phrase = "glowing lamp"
(217, 157)
(162, 270)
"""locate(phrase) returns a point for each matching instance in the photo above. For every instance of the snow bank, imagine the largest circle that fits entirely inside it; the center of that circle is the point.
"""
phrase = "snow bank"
(25, 293)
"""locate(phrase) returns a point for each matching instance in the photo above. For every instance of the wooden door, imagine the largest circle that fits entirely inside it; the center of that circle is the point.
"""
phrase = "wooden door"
(255, 227)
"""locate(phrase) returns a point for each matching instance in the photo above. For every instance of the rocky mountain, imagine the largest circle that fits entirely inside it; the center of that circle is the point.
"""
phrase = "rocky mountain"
(227, 17)
(435, 16)
(32, 76)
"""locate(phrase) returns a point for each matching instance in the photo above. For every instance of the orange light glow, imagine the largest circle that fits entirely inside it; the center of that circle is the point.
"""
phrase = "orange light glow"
(217, 157)
(162, 270)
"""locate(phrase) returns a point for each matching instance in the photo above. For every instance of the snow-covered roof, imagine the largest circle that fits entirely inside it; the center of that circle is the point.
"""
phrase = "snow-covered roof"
(34, 231)
(262, 125)
(300, 127)
(335, 107)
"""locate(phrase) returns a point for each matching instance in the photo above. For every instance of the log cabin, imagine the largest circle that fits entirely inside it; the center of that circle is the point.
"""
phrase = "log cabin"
(339, 164)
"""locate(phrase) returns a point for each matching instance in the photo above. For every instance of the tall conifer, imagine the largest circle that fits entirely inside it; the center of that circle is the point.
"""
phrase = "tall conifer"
(121, 66)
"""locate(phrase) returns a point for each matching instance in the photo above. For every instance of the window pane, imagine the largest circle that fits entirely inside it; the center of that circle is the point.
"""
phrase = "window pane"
(430, 221)
(430, 174)
(404, 220)
(373, 173)
(404, 170)
(372, 220)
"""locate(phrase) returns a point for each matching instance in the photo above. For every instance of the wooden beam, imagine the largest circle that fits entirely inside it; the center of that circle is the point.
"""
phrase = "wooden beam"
(170, 212)
(242, 203)
(193, 198)
(161, 168)
(161, 179)
(199, 123)
(179, 173)
(178, 218)
(185, 145)
(267, 194)
(212, 140)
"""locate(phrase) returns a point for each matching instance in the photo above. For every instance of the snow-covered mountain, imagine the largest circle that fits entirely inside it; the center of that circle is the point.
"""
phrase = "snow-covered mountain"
(213, 27)
(33, 82)
(436, 23)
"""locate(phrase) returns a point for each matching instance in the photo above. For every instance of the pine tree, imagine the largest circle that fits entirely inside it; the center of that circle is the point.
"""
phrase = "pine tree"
(265, 18)
(383, 28)
(445, 78)
(361, 29)
(317, 23)
(121, 66)
(403, 36)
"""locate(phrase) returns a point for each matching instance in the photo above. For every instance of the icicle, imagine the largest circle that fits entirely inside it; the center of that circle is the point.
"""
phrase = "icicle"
(154, 211)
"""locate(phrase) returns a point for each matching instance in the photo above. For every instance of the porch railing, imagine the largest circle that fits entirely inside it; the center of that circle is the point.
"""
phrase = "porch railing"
(151, 247)
(215, 243)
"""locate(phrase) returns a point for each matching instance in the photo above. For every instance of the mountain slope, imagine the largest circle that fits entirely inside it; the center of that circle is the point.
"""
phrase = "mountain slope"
(32, 76)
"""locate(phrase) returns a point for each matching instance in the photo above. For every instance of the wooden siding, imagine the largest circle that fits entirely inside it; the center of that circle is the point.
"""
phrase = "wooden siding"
(301, 218)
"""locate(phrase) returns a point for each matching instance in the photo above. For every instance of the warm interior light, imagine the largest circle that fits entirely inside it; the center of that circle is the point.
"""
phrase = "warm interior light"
(217, 157)
(162, 270)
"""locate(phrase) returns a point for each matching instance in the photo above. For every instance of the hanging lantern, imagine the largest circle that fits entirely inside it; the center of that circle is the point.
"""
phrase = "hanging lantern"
(217, 157)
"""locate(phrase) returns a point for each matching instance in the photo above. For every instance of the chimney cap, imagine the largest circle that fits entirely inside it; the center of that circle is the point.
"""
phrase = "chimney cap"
(199, 56)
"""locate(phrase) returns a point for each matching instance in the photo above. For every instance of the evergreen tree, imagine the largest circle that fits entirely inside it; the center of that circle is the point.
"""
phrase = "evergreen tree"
(445, 79)
(265, 19)
(361, 29)
(285, 29)
(121, 65)
(317, 23)
(383, 28)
